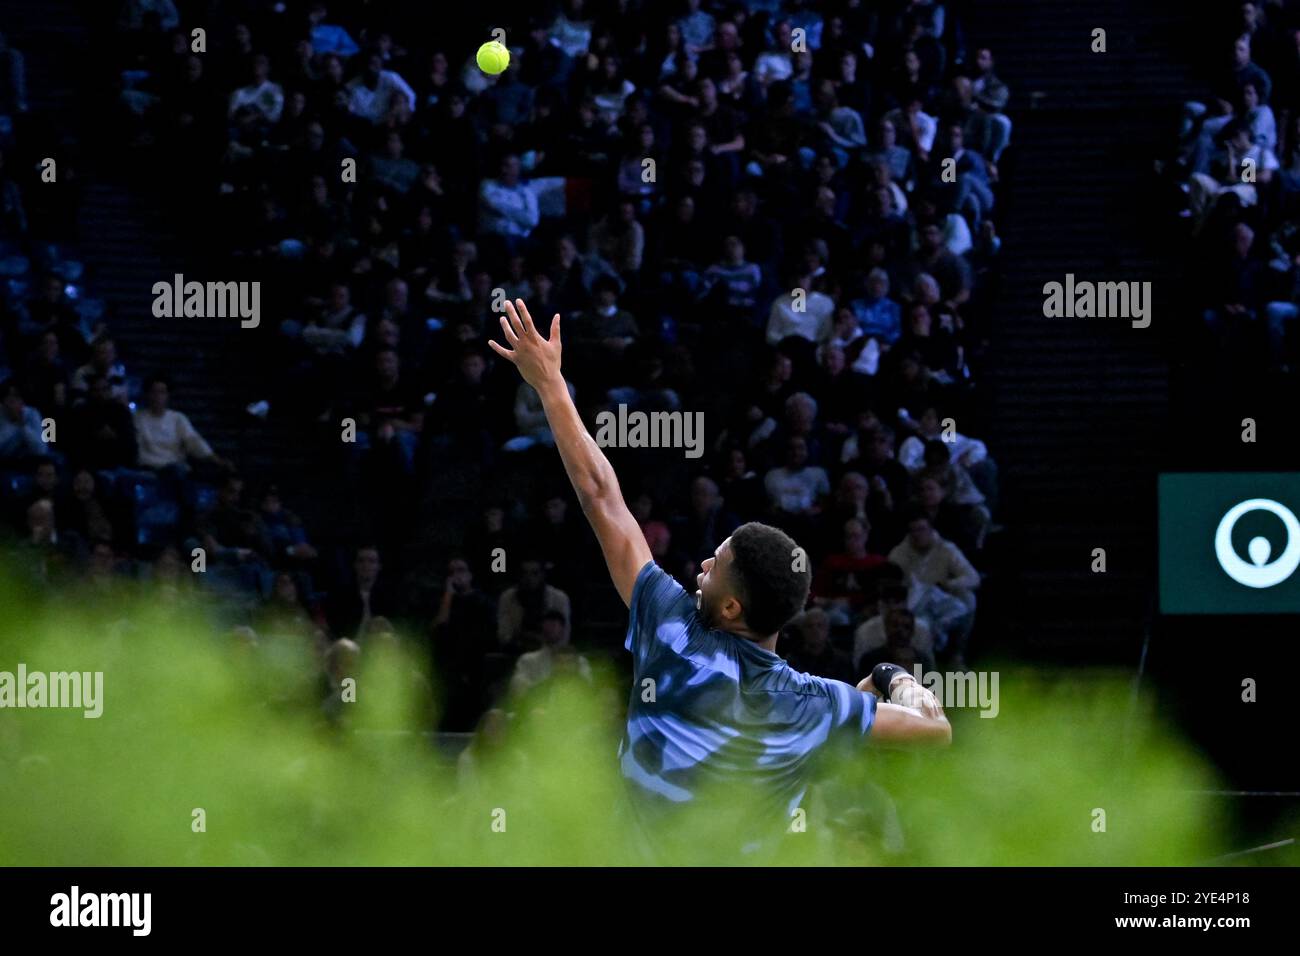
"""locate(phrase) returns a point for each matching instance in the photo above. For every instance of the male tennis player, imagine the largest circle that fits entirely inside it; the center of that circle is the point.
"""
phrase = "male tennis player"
(722, 708)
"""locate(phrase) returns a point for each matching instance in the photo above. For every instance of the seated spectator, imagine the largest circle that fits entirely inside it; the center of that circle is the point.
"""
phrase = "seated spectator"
(340, 328)
(1237, 291)
(878, 315)
(619, 238)
(805, 313)
(736, 280)
(894, 636)
(605, 330)
(166, 438)
(520, 609)
(657, 533)
(796, 487)
(705, 525)
(52, 311)
(265, 98)
(507, 208)
(284, 531)
(530, 419)
(102, 432)
(45, 378)
(389, 403)
(103, 361)
(232, 532)
(843, 582)
(363, 595)
(1237, 152)
(342, 662)
(392, 169)
(284, 614)
(82, 512)
(370, 94)
(963, 450)
(464, 632)
(741, 487)
(535, 667)
(946, 583)
(811, 651)
(991, 96)
(959, 494)
(22, 434)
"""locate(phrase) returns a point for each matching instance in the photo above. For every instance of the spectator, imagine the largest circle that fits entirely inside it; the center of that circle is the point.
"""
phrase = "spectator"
(22, 433)
(894, 636)
(166, 438)
(371, 94)
(508, 208)
(946, 584)
(520, 609)
(812, 651)
(362, 596)
(844, 581)
(535, 667)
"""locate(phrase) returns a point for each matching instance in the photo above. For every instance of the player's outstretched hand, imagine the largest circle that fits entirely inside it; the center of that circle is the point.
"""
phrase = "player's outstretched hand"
(537, 358)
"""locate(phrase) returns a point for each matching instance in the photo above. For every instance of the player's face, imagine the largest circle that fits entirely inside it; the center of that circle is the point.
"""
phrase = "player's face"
(712, 583)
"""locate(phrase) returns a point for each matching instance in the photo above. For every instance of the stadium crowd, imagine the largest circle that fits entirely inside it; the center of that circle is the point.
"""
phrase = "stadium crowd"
(1237, 165)
(777, 213)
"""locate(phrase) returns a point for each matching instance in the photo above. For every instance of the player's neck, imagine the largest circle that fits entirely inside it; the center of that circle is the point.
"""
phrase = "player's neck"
(766, 643)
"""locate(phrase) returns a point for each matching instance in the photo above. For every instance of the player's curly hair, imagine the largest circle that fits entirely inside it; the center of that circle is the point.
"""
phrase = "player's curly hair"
(771, 576)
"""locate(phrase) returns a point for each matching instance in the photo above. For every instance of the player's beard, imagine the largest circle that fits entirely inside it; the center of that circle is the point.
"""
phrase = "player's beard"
(707, 611)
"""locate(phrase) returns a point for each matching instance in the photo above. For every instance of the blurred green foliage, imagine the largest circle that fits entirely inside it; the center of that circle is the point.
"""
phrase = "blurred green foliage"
(194, 719)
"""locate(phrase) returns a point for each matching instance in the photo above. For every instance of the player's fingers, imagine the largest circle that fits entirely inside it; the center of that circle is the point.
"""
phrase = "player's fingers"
(512, 335)
(501, 350)
(516, 324)
(528, 319)
(555, 328)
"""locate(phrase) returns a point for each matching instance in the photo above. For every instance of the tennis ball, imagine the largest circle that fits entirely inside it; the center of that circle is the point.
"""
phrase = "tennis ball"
(493, 57)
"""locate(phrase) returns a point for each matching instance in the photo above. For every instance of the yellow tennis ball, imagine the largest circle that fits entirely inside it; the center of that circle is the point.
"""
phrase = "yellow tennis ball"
(493, 57)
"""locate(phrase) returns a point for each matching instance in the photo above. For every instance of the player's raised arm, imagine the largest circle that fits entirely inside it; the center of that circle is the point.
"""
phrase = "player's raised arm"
(910, 717)
(593, 478)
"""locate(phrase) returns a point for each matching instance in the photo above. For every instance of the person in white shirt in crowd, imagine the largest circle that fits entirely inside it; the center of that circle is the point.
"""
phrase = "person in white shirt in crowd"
(571, 30)
(916, 128)
(555, 656)
(847, 334)
(165, 437)
(370, 95)
(943, 584)
(797, 488)
(261, 95)
(963, 450)
(776, 63)
(802, 312)
(508, 208)
(1205, 189)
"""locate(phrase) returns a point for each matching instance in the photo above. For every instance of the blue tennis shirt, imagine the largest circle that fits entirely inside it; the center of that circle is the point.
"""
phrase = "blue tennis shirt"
(721, 711)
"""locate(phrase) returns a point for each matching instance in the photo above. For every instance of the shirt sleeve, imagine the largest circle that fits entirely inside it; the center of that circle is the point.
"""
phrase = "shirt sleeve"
(659, 614)
(191, 440)
(853, 712)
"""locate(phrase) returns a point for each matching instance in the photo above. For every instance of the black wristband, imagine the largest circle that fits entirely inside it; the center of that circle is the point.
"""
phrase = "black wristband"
(882, 675)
